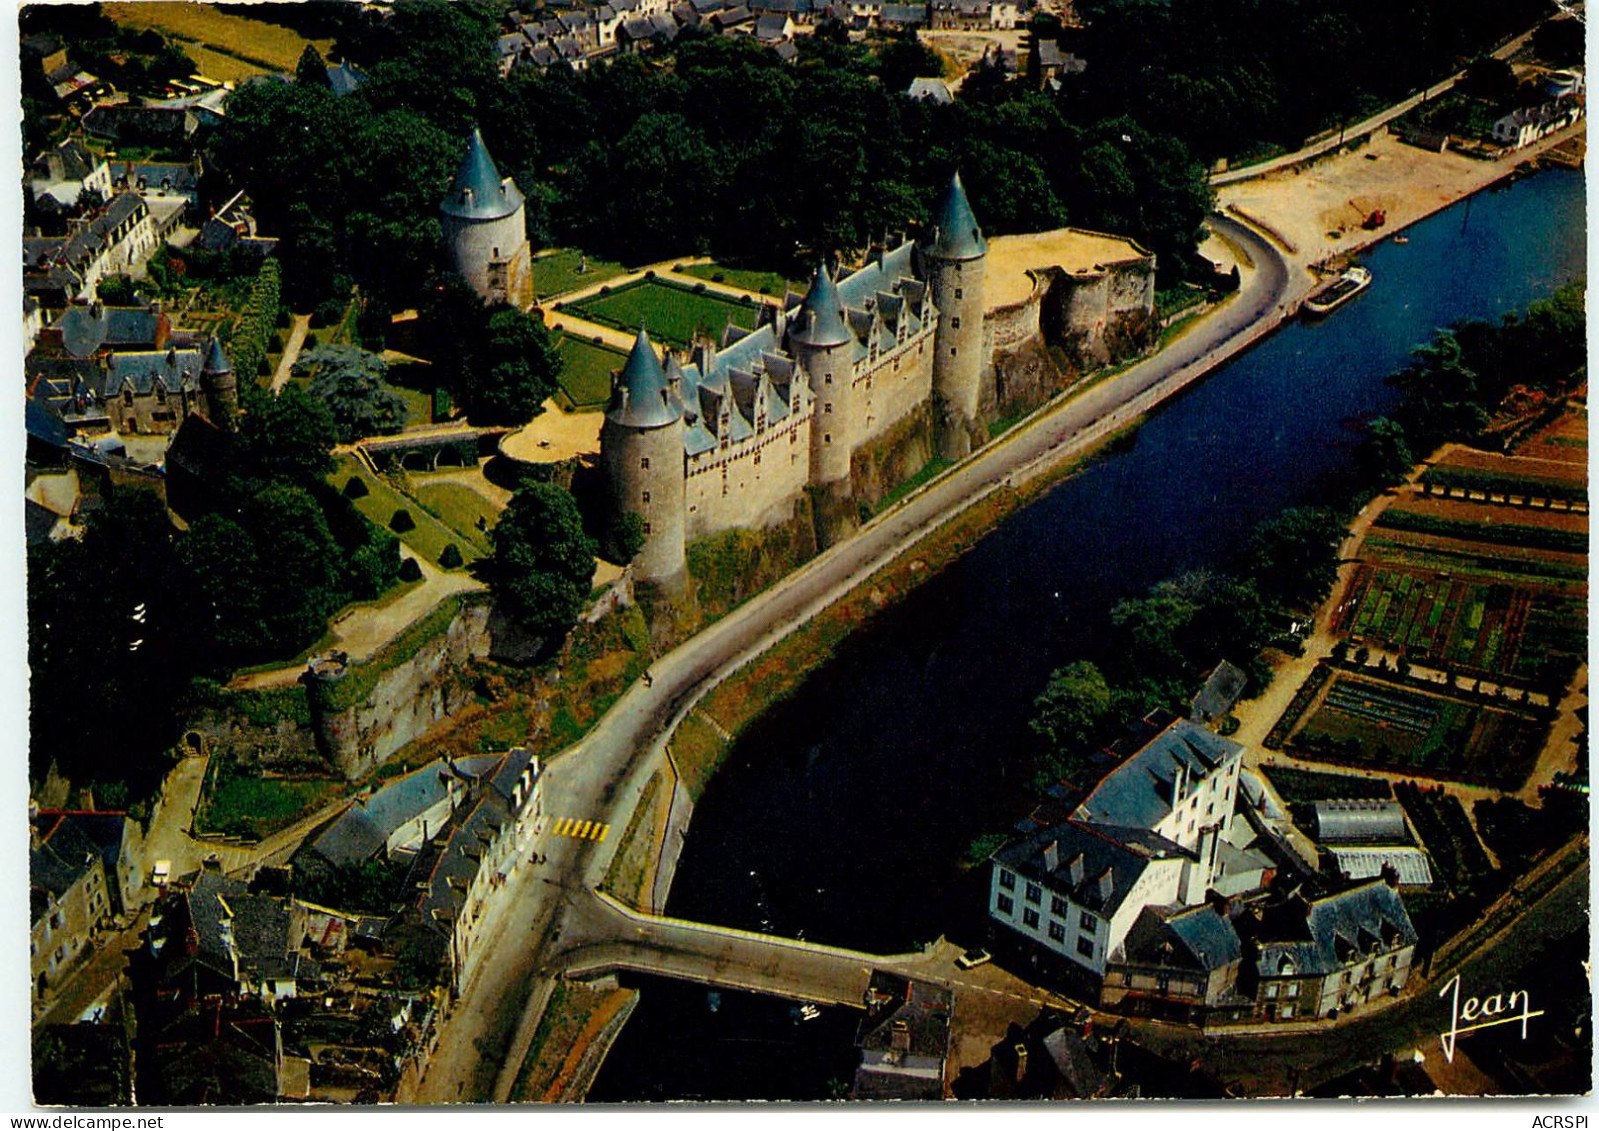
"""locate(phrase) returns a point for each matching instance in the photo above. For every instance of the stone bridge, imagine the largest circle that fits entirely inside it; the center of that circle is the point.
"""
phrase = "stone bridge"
(629, 941)
(428, 450)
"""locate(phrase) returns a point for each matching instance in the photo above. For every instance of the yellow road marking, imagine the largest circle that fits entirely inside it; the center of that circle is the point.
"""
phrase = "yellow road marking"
(561, 826)
(582, 830)
(600, 832)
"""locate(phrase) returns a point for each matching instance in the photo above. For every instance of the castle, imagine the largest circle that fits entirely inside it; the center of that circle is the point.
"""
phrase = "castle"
(736, 435)
(733, 437)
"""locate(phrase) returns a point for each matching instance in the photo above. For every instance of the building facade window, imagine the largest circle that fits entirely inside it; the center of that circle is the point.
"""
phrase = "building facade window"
(1057, 932)
(1035, 894)
(1007, 880)
(1088, 923)
(644, 463)
(1030, 917)
(1291, 989)
(646, 496)
(1057, 906)
(955, 323)
(1085, 947)
(1006, 905)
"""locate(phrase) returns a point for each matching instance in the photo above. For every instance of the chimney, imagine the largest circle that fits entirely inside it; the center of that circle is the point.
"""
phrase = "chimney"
(1021, 1062)
(1390, 874)
(1178, 781)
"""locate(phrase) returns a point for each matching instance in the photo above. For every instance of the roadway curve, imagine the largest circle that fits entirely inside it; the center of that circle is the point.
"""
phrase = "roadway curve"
(601, 776)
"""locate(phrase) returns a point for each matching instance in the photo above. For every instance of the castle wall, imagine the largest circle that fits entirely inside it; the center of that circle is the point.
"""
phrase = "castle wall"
(492, 255)
(958, 288)
(749, 484)
(368, 711)
(1088, 304)
(900, 383)
(832, 377)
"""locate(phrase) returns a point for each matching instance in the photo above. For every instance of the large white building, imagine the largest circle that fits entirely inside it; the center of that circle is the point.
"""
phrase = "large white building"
(1148, 835)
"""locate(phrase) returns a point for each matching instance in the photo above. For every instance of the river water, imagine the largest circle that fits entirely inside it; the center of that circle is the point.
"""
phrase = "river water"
(842, 816)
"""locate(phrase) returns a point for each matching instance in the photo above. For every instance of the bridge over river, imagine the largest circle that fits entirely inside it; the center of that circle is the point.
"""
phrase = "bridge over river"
(629, 941)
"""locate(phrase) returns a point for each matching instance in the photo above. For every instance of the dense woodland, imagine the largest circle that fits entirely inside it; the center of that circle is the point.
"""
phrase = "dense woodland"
(717, 146)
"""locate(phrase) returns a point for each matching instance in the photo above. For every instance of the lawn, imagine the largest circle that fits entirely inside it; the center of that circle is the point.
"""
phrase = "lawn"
(772, 283)
(268, 47)
(238, 803)
(586, 372)
(556, 273)
(672, 313)
(461, 508)
(1303, 786)
(428, 538)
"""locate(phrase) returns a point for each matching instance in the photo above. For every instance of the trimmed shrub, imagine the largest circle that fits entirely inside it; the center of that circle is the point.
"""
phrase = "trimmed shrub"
(450, 557)
(699, 288)
(402, 522)
(410, 571)
(718, 277)
(356, 488)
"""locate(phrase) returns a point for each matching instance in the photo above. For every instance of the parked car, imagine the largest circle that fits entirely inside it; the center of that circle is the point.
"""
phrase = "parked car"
(973, 958)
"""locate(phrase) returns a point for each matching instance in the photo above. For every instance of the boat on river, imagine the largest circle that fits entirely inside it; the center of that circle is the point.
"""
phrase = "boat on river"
(1330, 296)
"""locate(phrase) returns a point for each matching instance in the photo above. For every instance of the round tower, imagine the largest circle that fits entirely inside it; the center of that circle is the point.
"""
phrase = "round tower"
(219, 388)
(956, 271)
(821, 341)
(485, 229)
(641, 452)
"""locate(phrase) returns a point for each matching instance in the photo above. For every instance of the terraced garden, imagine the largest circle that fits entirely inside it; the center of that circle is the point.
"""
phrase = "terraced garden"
(1406, 728)
(673, 313)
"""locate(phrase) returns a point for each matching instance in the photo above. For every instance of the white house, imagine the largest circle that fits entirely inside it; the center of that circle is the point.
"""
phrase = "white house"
(1149, 834)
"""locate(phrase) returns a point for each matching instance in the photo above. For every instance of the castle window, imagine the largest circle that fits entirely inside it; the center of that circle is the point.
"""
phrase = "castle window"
(827, 437)
(644, 463)
(646, 530)
(955, 323)
(646, 496)
(828, 408)
(953, 350)
(828, 380)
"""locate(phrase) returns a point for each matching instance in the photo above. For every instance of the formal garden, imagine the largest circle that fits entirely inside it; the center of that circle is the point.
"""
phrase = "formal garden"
(566, 269)
(585, 381)
(672, 312)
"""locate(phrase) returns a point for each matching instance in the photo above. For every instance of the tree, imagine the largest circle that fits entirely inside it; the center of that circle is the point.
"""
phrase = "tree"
(302, 579)
(116, 290)
(312, 69)
(624, 538)
(543, 563)
(223, 563)
(288, 436)
(1293, 556)
(1072, 707)
(1384, 457)
(509, 378)
(350, 382)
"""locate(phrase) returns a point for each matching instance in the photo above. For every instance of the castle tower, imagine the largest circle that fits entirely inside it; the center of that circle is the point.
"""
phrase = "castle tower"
(956, 270)
(219, 388)
(641, 451)
(822, 343)
(485, 229)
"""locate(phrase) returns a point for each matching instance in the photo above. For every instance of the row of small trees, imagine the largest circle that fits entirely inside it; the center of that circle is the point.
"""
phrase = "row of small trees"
(257, 323)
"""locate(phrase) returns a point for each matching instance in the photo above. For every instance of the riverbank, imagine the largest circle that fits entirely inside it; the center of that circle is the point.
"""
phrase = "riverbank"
(1316, 211)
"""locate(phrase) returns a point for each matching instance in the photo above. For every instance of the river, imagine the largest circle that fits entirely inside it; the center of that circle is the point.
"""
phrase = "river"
(842, 815)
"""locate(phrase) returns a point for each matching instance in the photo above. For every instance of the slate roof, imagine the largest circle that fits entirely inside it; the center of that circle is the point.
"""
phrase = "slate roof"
(955, 233)
(1195, 938)
(216, 360)
(85, 330)
(44, 425)
(904, 1040)
(821, 322)
(1222, 688)
(66, 385)
(58, 864)
(478, 193)
(1325, 935)
(904, 15)
(771, 27)
(461, 858)
(345, 79)
(362, 830)
(149, 176)
(176, 370)
(1138, 793)
(640, 397)
(1096, 868)
(101, 832)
